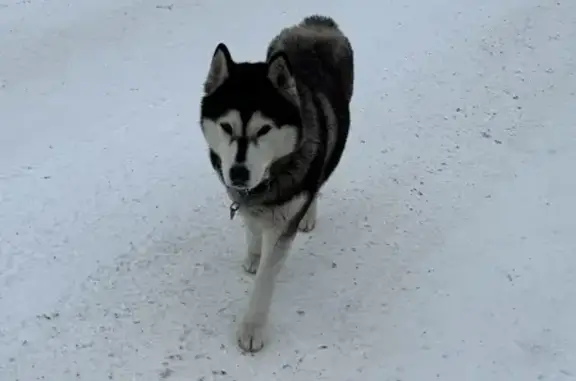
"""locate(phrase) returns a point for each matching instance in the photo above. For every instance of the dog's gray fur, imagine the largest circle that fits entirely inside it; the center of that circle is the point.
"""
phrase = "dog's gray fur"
(311, 65)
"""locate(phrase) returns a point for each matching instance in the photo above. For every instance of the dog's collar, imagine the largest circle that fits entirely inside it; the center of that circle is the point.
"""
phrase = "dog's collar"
(233, 209)
(246, 198)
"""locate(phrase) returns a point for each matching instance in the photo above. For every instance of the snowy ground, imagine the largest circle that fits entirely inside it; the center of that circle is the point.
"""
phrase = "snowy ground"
(444, 249)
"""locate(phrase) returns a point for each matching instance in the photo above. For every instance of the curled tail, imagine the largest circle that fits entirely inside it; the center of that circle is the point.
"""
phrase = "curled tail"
(320, 21)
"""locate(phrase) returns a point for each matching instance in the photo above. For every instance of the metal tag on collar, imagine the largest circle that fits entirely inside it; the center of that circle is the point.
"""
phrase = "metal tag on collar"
(233, 209)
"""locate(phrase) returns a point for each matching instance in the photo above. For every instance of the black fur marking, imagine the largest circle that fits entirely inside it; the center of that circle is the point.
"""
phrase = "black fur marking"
(248, 90)
(241, 149)
(263, 131)
(216, 163)
(227, 128)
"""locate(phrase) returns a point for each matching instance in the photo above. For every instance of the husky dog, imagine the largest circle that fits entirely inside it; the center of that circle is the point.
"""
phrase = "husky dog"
(276, 130)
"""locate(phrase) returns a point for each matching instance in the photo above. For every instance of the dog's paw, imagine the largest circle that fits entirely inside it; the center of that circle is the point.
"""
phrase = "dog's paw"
(251, 336)
(251, 263)
(307, 224)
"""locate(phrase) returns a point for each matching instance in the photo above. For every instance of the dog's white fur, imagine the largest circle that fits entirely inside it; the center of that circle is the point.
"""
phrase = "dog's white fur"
(262, 151)
(265, 257)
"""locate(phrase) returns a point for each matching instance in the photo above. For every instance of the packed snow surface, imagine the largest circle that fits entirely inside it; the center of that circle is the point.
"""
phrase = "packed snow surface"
(445, 245)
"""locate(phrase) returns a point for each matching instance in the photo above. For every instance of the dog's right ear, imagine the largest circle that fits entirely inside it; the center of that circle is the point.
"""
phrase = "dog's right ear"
(280, 74)
(219, 69)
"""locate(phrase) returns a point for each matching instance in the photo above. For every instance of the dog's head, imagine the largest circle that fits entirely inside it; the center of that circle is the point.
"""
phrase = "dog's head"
(250, 117)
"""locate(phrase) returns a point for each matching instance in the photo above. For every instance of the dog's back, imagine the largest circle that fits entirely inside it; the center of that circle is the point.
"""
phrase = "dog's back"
(320, 54)
(322, 61)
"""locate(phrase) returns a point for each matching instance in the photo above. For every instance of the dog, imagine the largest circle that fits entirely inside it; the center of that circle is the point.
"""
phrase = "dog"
(276, 131)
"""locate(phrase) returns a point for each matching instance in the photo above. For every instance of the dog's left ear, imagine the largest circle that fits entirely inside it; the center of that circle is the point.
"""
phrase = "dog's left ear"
(280, 74)
(219, 69)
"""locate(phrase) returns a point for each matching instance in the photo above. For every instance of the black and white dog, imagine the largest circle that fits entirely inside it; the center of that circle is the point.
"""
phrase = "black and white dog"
(276, 130)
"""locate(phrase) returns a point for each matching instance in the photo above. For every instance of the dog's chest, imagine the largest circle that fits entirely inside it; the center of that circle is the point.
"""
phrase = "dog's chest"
(274, 216)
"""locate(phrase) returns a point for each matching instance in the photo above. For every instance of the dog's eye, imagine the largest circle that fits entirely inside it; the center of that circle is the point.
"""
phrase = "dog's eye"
(264, 130)
(227, 128)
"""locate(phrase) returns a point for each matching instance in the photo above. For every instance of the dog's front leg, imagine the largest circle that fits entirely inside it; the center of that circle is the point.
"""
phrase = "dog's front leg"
(275, 247)
(254, 245)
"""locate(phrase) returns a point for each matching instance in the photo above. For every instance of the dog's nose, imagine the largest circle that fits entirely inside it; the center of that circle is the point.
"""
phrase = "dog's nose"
(239, 175)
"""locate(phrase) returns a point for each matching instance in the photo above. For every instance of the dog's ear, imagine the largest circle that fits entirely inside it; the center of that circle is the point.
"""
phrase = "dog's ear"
(219, 69)
(280, 74)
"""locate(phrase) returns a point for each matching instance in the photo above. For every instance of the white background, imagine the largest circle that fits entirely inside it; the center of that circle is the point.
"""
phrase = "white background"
(444, 248)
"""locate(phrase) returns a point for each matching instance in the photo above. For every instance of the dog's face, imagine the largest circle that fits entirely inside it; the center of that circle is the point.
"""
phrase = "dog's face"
(249, 116)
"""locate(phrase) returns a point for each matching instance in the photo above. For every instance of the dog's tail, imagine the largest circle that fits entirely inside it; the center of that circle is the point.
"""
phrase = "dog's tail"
(319, 21)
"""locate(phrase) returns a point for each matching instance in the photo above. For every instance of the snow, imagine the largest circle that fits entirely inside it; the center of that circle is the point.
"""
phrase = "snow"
(444, 248)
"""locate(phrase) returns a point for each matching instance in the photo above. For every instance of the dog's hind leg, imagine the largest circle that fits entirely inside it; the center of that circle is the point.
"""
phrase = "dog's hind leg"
(308, 222)
(254, 245)
(275, 248)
